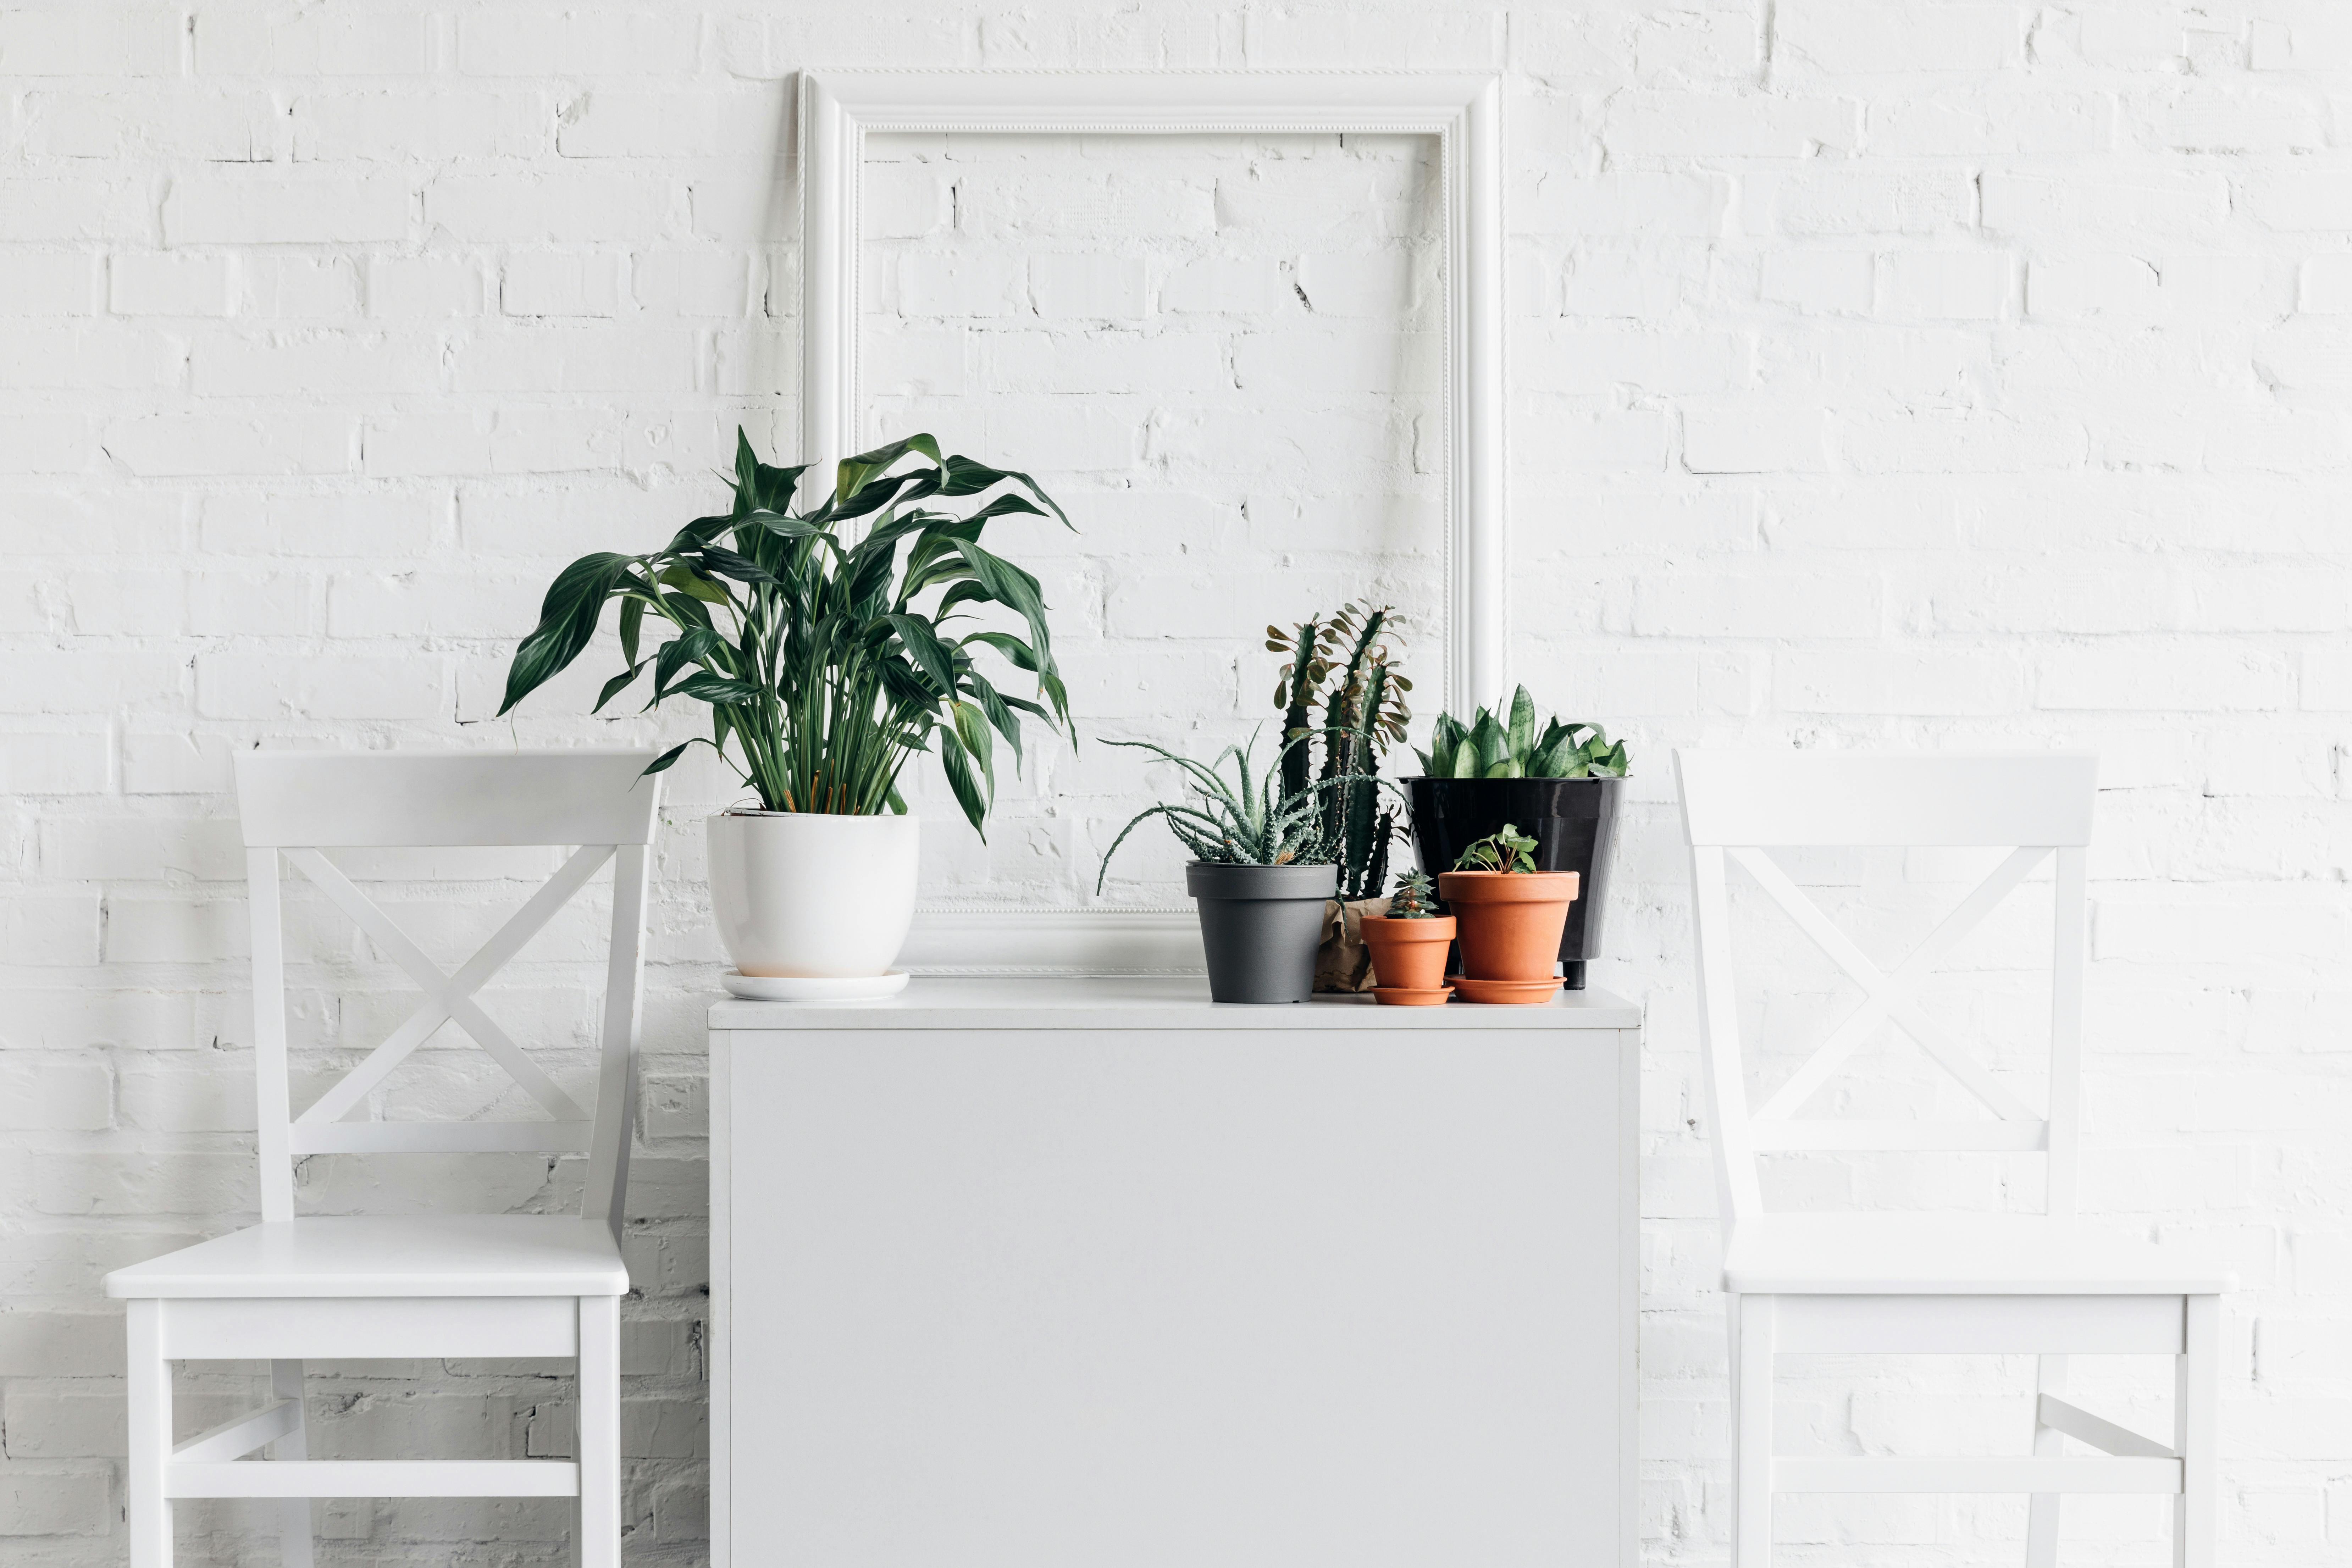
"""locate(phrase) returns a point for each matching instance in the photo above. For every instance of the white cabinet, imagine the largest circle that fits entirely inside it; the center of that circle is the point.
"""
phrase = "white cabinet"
(1067, 1273)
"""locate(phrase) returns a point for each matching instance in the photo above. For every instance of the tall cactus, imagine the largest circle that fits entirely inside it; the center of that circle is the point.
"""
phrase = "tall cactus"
(1364, 712)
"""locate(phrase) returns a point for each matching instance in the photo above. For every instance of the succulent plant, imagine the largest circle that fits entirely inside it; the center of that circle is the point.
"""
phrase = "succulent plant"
(1506, 849)
(1415, 897)
(1343, 664)
(1492, 748)
(1245, 821)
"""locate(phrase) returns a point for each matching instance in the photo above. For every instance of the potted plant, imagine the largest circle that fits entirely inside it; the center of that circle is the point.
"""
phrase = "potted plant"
(1260, 873)
(1408, 946)
(1342, 692)
(1560, 783)
(1511, 915)
(821, 641)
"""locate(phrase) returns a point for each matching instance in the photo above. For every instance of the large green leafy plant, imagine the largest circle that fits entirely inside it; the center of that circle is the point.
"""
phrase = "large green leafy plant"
(822, 640)
(1492, 748)
(1342, 666)
(1248, 819)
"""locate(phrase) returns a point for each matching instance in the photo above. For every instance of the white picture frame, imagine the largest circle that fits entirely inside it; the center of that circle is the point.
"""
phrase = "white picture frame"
(1462, 110)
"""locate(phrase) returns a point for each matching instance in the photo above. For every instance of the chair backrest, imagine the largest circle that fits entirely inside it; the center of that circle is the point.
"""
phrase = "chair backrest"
(292, 805)
(1739, 806)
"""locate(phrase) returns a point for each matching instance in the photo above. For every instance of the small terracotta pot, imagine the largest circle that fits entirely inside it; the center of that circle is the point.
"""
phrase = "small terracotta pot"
(1408, 956)
(1511, 920)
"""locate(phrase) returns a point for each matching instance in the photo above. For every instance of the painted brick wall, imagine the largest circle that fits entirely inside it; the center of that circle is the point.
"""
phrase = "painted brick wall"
(1883, 372)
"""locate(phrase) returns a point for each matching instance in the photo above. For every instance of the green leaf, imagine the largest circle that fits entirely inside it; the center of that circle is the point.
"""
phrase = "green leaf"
(723, 563)
(684, 578)
(1000, 712)
(1490, 747)
(852, 473)
(662, 762)
(923, 645)
(633, 615)
(567, 621)
(1523, 727)
(614, 687)
(1005, 643)
(709, 687)
(967, 789)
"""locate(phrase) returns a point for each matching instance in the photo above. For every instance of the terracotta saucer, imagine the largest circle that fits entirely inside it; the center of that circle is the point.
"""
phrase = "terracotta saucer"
(1409, 996)
(1512, 992)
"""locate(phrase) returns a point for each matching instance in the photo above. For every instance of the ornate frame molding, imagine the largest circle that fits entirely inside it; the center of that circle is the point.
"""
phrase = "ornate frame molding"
(1462, 110)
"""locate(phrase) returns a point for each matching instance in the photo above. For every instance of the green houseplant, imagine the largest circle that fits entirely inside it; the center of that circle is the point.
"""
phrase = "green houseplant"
(830, 646)
(1408, 943)
(1262, 869)
(1559, 778)
(1343, 694)
(1511, 915)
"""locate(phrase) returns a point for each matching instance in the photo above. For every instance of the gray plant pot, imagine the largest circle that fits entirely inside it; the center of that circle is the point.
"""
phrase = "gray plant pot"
(1260, 925)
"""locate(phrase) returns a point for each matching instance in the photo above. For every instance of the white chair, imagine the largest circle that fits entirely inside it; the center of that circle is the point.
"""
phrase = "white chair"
(355, 1288)
(1912, 1284)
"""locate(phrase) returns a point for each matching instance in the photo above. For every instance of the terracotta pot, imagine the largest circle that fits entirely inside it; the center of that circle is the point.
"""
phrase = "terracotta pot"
(1408, 956)
(1511, 920)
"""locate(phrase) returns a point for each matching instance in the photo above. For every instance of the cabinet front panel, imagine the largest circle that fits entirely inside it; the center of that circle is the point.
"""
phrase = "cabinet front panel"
(1162, 1300)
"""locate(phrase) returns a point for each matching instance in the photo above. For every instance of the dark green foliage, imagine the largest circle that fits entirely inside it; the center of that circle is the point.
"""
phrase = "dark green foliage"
(1415, 899)
(1363, 713)
(787, 626)
(1506, 849)
(1492, 748)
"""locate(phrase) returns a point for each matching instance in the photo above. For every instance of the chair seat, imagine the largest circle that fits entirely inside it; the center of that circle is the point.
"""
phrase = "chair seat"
(1956, 1254)
(384, 1255)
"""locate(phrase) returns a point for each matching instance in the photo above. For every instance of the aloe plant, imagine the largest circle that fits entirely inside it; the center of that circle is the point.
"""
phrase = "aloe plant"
(822, 655)
(1492, 748)
(1248, 820)
(1363, 712)
(1506, 849)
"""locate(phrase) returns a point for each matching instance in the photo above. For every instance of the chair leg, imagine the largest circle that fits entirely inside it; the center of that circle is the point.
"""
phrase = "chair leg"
(1752, 1431)
(2196, 1432)
(149, 1511)
(294, 1527)
(598, 1540)
(2041, 1513)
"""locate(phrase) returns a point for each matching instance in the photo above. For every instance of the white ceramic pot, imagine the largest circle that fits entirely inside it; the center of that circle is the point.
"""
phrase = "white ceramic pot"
(809, 895)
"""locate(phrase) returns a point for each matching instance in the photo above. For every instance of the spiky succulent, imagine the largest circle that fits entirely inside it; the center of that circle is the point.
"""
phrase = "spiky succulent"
(1246, 821)
(1492, 748)
(1415, 897)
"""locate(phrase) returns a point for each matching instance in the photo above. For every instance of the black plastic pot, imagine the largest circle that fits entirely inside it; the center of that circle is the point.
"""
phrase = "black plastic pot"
(1573, 821)
(1260, 926)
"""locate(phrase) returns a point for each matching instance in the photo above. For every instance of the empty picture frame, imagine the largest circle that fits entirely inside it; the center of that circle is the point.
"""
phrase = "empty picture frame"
(1461, 111)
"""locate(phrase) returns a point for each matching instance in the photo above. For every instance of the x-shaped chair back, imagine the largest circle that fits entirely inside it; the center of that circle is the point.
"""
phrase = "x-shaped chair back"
(1739, 806)
(297, 804)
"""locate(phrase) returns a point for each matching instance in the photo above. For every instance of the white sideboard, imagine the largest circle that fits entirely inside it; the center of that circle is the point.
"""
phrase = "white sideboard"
(1065, 1273)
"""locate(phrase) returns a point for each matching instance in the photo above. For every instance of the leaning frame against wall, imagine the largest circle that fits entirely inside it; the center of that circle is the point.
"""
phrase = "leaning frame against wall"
(1461, 110)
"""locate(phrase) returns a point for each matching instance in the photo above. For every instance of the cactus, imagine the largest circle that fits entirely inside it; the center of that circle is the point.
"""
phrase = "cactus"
(1364, 713)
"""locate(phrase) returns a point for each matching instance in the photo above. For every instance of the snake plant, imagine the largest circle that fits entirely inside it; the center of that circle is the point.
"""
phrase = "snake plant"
(813, 635)
(1492, 748)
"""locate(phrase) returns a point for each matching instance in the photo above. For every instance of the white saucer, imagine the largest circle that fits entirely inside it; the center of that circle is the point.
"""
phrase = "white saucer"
(808, 988)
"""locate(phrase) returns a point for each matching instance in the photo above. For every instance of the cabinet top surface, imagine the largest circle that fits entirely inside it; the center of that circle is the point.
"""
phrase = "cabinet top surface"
(1148, 1002)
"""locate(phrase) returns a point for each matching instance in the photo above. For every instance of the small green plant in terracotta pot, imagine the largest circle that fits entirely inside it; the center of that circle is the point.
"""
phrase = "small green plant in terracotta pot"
(1511, 916)
(1409, 946)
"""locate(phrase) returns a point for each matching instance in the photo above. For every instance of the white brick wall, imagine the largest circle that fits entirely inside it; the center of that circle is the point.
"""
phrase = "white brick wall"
(1906, 372)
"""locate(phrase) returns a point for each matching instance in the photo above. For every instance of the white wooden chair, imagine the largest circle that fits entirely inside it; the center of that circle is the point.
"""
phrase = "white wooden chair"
(1912, 1284)
(355, 1288)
